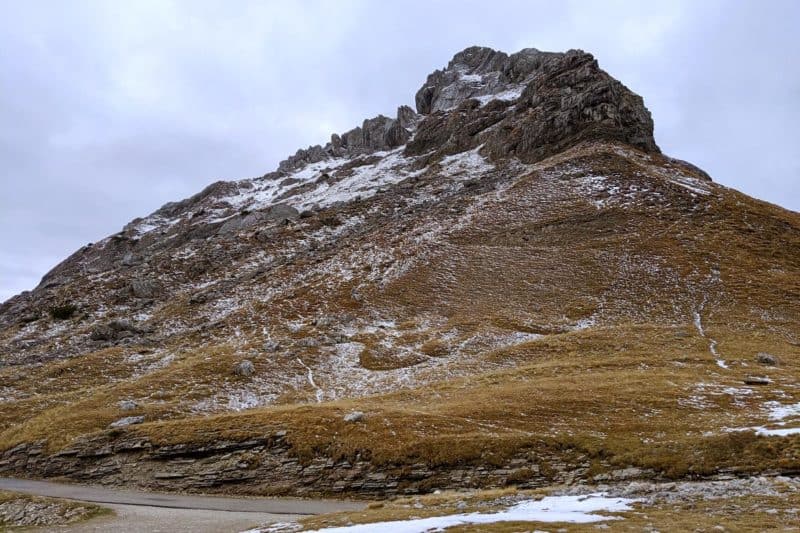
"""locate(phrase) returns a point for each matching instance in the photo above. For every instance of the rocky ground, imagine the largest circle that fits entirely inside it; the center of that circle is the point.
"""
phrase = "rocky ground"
(22, 511)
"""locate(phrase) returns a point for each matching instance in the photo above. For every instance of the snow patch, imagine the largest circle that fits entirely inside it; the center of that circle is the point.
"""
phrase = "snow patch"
(571, 509)
(583, 323)
(364, 182)
(691, 184)
(782, 432)
(243, 400)
(777, 411)
(510, 94)
(310, 376)
(469, 163)
(712, 344)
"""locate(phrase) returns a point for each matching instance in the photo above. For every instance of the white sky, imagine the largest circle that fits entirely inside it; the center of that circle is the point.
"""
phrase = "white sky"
(111, 109)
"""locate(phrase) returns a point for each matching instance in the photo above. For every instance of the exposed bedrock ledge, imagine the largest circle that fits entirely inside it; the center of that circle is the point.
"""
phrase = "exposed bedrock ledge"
(267, 467)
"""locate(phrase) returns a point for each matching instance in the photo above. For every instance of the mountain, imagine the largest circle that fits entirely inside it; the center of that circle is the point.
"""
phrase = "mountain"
(510, 284)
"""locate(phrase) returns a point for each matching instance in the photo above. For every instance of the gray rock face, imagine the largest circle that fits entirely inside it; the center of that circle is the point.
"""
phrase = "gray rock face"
(275, 213)
(374, 134)
(479, 71)
(407, 118)
(131, 460)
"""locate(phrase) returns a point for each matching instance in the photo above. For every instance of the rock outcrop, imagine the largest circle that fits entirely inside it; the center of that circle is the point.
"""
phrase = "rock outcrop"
(268, 466)
(374, 134)
(528, 105)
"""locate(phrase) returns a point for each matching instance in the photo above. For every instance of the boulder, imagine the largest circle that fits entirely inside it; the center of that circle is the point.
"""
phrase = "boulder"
(244, 368)
(145, 288)
(271, 346)
(281, 212)
(113, 331)
(767, 359)
(127, 405)
(354, 416)
(127, 421)
(308, 342)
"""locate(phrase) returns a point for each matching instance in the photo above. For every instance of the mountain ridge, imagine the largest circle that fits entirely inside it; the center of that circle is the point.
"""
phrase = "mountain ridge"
(500, 78)
(477, 261)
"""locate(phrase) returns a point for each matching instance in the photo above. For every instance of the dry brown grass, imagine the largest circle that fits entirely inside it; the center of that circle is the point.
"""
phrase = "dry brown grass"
(617, 395)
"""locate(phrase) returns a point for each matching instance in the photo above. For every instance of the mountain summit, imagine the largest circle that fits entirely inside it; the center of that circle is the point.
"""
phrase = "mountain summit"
(510, 284)
(529, 105)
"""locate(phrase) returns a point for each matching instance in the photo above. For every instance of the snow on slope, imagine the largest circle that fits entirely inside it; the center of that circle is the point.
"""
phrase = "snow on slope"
(777, 414)
(569, 509)
(316, 185)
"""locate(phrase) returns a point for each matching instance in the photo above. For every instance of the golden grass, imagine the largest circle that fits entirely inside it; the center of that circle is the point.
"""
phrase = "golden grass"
(619, 395)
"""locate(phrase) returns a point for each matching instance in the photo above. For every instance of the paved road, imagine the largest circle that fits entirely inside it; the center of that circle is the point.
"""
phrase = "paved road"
(138, 511)
(145, 519)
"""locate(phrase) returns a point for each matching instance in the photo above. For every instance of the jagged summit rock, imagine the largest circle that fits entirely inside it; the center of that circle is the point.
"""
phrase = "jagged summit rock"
(531, 105)
(479, 72)
(374, 134)
(542, 103)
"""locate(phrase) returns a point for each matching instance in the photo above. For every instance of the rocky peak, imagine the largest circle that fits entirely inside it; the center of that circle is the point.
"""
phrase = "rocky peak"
(527, 105)
(479, 72)
(530, 104)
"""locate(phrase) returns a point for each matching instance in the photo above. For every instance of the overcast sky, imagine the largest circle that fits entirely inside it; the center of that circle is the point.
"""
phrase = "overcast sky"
(110, 109)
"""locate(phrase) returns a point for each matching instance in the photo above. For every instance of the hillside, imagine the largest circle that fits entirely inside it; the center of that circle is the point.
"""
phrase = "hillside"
(510, 284)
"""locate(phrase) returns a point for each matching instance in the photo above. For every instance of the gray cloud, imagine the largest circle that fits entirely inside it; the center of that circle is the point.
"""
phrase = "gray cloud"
(112, 109)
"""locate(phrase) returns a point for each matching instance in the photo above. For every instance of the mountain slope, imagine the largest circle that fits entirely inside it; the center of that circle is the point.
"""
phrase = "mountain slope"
(514, 272)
